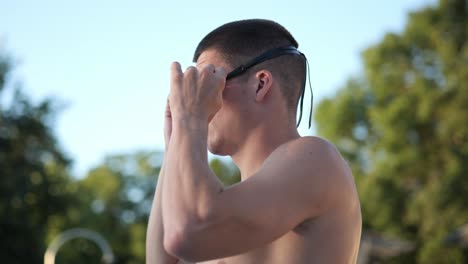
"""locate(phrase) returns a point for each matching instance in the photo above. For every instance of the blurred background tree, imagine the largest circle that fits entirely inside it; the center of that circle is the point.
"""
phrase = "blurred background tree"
(34, 183)
(402, 126)
(115, 200)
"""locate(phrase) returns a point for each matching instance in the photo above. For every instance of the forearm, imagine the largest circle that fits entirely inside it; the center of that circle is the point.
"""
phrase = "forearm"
(191, 186)
(155, 252)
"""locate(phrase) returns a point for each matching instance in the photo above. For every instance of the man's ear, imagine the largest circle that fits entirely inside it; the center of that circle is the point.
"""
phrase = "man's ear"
(264, 84)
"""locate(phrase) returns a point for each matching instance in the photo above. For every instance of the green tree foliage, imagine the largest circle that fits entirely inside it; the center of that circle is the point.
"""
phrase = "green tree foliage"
(228, 173)
(403, 128)
(34, 185)
(115, 200)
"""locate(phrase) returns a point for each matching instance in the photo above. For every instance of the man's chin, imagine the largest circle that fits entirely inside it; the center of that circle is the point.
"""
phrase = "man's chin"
(217, 148)
(217, 151)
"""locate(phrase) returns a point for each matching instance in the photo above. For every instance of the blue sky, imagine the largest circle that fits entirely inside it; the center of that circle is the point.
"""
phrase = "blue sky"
(109, 60)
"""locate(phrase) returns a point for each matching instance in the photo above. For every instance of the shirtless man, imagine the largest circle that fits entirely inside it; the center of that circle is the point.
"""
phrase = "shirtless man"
(297, 201)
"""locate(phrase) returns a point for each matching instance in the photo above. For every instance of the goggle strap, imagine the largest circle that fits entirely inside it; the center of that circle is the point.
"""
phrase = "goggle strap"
(301, 99)
(271, 54)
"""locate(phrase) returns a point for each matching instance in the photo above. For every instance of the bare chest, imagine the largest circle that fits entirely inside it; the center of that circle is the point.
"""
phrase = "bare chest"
(313, 241)
(291, 247)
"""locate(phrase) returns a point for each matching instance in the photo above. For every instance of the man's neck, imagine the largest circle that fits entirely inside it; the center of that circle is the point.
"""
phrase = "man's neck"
(260, 143)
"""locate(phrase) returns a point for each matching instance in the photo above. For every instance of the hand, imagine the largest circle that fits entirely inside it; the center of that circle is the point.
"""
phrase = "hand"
(196, 93)
(167, 124)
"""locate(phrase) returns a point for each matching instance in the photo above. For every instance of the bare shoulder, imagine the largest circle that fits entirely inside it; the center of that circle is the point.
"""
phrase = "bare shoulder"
(312, 143)
(315, 150)
(316, 162)
(324, 154)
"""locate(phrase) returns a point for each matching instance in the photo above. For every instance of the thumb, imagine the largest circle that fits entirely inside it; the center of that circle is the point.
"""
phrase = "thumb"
(168, 109)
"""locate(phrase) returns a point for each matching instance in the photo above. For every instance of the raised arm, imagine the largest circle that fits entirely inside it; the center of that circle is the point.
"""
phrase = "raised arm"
(202, 220)
(155, 252)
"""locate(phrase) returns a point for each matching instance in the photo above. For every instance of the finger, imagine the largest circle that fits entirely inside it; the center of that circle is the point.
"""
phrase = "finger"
(205, 67)
(191, 73)
(190, 69)
(209, 68)
(176, 71)
(176, 68)
(168, 105)
(220, 72)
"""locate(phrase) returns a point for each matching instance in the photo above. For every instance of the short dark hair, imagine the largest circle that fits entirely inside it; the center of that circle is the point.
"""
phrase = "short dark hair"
(240, 41)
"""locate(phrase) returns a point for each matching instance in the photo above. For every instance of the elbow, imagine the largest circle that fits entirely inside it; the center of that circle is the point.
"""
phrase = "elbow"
(184, 239)
(175, 243)
(179, 243)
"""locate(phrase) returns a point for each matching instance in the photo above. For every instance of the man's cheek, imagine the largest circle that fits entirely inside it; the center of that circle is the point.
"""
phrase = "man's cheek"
(218, 115)
(212, 119)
